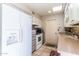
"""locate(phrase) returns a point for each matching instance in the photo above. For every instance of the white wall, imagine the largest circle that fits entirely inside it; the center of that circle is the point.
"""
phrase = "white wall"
(59, 18)
(60, 22)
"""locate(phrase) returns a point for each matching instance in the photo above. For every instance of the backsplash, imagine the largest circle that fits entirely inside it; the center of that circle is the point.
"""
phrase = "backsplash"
(72, 31)
(76, 29)
(68, 30)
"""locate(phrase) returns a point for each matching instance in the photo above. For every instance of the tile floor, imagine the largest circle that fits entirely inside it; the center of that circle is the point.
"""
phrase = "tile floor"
(43, 51)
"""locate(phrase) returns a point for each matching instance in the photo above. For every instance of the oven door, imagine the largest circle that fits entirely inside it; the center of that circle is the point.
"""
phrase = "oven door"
(39, 40)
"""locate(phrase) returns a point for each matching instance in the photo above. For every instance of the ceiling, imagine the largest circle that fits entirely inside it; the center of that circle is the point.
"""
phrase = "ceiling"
(43, 8)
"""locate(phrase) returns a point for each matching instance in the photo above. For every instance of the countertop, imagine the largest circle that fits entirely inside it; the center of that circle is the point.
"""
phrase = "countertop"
(68, 43)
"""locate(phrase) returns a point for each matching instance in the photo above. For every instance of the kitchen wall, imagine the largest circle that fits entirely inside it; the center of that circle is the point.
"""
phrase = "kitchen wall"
(58, 17)
(59, 20)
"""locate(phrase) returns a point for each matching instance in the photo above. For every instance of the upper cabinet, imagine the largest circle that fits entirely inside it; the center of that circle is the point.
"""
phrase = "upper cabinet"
(74, 13)
(71, 14)
(36, 21)
(67, 16)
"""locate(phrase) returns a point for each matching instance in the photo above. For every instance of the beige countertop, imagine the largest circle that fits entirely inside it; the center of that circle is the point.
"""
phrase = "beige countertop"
(68, 43)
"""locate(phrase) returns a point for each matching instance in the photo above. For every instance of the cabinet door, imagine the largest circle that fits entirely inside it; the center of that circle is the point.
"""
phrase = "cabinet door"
(74, 13)
(70, 14)
(66, 19)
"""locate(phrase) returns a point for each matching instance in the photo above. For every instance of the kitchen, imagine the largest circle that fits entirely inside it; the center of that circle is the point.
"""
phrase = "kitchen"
(39, 29)
(62, 35)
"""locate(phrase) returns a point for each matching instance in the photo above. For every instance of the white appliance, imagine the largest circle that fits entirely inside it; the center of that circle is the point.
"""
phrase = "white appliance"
(39, 39)
(16, 32)
(38, 36)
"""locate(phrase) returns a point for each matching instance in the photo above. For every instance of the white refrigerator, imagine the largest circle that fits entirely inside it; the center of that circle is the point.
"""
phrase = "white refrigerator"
(16, 32)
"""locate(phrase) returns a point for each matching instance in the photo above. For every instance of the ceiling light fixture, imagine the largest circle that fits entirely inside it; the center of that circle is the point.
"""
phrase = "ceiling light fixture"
(49, 11)
(58, 8)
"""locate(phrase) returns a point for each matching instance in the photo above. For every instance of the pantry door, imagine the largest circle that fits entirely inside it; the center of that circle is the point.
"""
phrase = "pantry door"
(51, 32)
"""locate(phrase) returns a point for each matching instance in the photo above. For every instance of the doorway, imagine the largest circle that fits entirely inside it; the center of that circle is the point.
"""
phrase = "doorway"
(51, 32)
